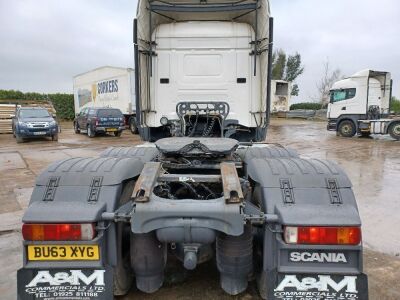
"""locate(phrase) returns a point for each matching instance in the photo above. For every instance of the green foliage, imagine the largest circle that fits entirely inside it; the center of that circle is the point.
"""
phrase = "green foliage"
(295, 90)
(395, 105)
(63, 103)
(306, 105)
(293, 67)
(278, 64)
(287, 68)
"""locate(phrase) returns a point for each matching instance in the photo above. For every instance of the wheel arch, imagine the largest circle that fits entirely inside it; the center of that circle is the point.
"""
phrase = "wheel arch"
(300, 192)
(80, 190)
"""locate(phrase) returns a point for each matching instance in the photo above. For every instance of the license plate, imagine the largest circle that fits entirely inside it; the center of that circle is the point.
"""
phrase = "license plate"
(39, 133)
(111, 129)
(63, 252)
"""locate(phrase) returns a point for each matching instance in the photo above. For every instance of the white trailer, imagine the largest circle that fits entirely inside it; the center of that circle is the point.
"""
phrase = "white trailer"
(107, 87)
(360, 105)
(280, 95)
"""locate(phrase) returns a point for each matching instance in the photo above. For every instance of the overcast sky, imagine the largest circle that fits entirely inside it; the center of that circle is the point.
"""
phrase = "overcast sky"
(44, 43)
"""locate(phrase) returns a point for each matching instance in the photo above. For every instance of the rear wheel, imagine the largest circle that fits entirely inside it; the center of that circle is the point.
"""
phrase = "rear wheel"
(54, 137)
(90, 132)
(123, 274)
(118, 133)
(76, 128)
(394, 131)
(347, 129)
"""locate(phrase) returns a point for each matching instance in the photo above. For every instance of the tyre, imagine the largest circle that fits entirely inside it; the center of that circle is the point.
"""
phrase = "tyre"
(347, 129)
(123, 273)
(76, 128)
(19, 139)
(54, 137)
(90, 132)
(133, 126)
(118, 133)
(394, 131)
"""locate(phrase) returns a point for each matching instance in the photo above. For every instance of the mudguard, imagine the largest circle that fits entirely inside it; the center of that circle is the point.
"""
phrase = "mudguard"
(65, 283)
(266, 151)
(145, 152)
(304, 192)
(80, 189)
(76, 190)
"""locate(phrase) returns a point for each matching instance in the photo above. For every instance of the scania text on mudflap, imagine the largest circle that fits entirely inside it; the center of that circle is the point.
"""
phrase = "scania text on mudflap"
(207, 188)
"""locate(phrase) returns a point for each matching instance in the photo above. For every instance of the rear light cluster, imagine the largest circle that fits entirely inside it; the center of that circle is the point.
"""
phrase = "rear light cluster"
(322, 235)
(58, 232)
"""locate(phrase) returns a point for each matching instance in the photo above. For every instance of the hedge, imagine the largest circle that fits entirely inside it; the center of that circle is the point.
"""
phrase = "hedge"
(306, 105)
(63, 103)
(395, 105)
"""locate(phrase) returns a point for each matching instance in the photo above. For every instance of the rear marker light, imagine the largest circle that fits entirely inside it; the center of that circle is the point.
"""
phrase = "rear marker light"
(322, 235)
(58, 232)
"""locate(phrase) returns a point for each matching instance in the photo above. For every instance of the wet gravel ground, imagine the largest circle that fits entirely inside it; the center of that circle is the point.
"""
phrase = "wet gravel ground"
(373, 165)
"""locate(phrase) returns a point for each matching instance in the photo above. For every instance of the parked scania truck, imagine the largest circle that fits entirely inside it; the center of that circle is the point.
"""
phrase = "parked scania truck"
(208, 189)
(107, 86)
(360, 105)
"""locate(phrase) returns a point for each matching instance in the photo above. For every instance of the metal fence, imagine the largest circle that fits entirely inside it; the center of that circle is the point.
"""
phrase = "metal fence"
(303, 114)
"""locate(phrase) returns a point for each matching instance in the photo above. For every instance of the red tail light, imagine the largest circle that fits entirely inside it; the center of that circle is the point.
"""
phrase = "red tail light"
(322, 235)
(58, 232)
(96, 121)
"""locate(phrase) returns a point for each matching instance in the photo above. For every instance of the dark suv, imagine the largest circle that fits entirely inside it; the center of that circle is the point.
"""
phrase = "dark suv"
(99, 120)
(31, 122)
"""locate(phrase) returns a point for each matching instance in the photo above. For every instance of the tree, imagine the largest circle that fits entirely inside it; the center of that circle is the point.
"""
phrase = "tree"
(395, 105)
(324, 85)
(278, 64)
(293, 67)
(293, 70)
(287, 68)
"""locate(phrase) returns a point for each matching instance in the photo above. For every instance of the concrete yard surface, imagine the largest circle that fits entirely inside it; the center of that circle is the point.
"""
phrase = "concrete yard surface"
(373, 165)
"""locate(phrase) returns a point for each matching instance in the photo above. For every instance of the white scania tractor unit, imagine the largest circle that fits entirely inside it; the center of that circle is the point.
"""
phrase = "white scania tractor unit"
(360, 105)
(208, 188)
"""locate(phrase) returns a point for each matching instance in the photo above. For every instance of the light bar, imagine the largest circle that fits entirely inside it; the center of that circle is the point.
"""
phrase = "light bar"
(58, 232)
(322, 235)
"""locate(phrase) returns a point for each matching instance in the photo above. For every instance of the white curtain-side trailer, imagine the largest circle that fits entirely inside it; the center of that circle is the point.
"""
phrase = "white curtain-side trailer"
(107, 86)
